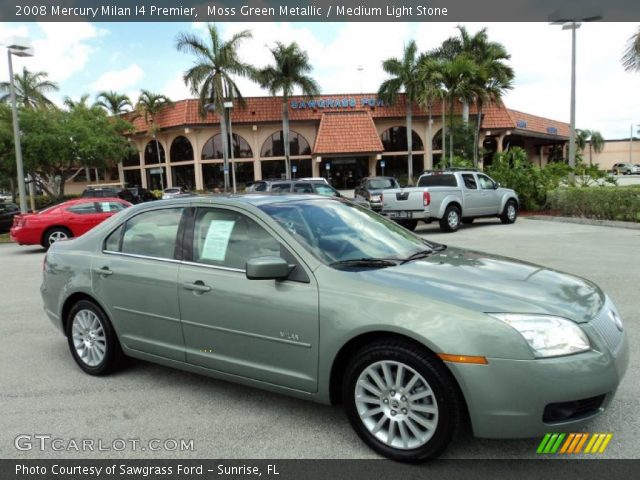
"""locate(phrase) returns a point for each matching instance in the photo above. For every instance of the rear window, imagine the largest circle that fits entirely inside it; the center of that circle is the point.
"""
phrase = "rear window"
(381, 183)
(444, 180)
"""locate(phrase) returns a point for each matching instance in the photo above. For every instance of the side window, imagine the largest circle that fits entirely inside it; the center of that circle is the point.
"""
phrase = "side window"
(83, 208)
(302, 188)
(152, 234)
(260, 187)
(110, 207)
(469, 181)
(485, 182)
(281, 187)
(112, 243)
(325, 190)
(228, 239)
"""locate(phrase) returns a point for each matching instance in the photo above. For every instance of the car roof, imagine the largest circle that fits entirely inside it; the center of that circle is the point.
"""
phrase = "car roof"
(89, 200)
(251, 199)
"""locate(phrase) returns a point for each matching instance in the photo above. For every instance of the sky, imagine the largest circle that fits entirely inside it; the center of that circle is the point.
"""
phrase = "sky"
(127, 57)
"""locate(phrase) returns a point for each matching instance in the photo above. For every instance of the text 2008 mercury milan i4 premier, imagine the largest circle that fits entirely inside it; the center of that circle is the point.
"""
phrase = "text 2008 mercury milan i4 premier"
(325, 300)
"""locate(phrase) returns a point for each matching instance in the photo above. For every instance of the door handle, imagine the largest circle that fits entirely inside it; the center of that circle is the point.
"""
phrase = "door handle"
(197, 286)
(106, 271)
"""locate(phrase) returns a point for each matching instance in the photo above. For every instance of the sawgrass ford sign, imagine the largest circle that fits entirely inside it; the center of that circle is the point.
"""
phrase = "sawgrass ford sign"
(344, 102)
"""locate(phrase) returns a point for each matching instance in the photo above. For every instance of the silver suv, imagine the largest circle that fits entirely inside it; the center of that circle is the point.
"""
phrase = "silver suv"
(626, 168)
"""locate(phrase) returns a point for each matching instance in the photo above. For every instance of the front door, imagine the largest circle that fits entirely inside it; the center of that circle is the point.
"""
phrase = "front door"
(489, 199)
(266, 330)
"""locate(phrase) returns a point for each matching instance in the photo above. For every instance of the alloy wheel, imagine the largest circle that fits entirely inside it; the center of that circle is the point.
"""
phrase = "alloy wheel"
(89, 338)
(396, 404)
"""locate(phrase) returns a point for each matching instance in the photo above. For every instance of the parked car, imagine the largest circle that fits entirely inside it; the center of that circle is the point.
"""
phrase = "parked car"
(626, 168)
(173, 192)
(314, 179)
(370, 189)
(5, 197)
(411, 336)
(7, 212)
(140, 195)
(451, 197)
(63, 221)
(108, 192)
(320, 187)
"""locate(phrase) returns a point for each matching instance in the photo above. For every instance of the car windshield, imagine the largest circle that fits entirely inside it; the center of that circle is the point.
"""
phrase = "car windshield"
(171, 190)
(382, 183)
(338, 231)
(326, 190)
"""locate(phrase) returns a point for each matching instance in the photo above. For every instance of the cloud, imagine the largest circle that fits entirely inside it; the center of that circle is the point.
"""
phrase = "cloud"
(175, 89)
(118, 80)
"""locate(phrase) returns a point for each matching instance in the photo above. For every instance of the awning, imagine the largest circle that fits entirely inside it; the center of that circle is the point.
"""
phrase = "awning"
(347, 132)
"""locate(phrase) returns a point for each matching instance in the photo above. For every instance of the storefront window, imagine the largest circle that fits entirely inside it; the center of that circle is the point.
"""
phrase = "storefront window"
(181, 150)
(184, 176)
(395, 140)
(212, 150)
(152, 151)
(274, 145)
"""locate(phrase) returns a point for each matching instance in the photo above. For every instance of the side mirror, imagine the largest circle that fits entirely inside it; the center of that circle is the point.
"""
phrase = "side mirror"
(268, 268)
(496, 185)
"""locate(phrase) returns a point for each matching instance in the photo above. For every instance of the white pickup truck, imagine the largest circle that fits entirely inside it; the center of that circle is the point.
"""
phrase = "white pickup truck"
(451, 197)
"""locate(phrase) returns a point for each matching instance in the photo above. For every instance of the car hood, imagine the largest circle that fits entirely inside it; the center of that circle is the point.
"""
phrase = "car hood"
(491, 283)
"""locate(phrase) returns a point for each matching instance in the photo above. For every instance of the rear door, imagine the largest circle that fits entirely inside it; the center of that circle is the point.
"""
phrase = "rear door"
(472, 195)
(135, 277)
(266, 330)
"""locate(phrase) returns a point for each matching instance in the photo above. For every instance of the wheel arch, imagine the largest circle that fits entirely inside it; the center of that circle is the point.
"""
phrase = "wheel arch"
(350, 348)
(51, 227)
(449, 202)
(71, 300)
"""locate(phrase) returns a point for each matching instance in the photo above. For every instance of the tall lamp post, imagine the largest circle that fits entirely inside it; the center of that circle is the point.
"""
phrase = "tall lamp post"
(572, 22)
(228, 106)
(19, 49)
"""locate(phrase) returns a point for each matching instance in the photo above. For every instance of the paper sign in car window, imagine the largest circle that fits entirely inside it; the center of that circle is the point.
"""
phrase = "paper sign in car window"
(217, 240)
(105, 206)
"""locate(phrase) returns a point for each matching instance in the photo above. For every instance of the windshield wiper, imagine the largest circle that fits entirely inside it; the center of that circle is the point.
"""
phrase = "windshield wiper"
(365, 262)
(418, 255)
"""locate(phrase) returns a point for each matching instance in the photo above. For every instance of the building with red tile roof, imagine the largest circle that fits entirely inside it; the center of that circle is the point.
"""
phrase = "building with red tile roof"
(345, 137)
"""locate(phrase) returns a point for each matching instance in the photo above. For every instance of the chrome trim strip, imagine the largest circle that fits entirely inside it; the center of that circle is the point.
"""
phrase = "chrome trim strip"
(147, 314)
(248, 334)
(144, 257)
(215, 267)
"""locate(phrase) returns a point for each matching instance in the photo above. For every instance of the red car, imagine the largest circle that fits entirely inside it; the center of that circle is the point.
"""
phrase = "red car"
(65, 220)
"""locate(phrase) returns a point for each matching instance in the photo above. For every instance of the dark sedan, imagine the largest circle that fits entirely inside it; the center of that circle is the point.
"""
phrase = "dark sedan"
(7, 212)
(370, 189)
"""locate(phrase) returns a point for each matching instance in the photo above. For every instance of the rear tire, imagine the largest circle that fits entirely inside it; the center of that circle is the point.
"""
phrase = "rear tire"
(450, 222)
(92, 339)
(510, 212)
(54, 235)
(402, 401)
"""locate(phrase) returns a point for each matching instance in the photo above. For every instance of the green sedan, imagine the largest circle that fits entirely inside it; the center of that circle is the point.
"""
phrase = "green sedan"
(325, 300)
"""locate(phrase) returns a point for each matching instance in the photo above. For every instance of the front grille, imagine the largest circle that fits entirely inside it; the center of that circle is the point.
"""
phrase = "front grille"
(560, 412)
(604, 326)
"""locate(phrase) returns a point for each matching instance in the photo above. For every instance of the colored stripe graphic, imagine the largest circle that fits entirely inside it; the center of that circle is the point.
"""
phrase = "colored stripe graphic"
(573, 443)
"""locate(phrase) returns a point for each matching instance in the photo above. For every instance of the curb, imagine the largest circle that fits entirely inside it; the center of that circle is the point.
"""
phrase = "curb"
(587, 221)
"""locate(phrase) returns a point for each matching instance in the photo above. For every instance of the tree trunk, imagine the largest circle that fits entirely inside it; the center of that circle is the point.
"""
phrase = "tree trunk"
(451, 132)
(159, 162)
(443, 159)
(409, 143)
(429, 143)
(285, 137)
(225, 148)
(465, 112)
(476, 137)
(590, 154)
(12, 187)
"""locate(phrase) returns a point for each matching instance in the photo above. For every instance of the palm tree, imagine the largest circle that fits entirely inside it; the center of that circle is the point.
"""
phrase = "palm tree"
(290, 71)
(430, 89)
(30, 88)
(211, 76)
(631, 56)
(596, 142)
(458, 76)
(404, 76)
(115, 103)
(81, 103)
(148, 106)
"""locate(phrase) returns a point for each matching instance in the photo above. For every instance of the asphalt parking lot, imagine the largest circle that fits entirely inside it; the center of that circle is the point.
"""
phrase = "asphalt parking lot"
(43, 392)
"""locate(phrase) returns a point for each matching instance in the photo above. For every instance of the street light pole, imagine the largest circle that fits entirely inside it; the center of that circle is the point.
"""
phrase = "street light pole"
(572, 120)
(228, 107)
(19, 51)
(631, 142)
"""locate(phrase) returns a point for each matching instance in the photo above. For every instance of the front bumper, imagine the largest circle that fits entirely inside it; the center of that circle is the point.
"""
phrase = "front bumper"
(507, 398)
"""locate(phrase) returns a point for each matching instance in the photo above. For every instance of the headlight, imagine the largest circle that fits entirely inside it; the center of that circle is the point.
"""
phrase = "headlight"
(375, 198)
(548, 336)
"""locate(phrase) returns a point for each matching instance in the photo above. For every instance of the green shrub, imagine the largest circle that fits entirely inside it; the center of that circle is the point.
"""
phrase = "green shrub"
(457, 162)
(44, 201)
(513, 170)
(603, 203)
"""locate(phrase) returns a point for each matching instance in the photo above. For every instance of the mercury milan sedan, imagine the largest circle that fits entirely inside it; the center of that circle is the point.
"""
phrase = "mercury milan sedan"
(321, 299)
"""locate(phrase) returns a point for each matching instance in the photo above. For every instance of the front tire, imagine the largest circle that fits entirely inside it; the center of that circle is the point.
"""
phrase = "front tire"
(510, 212)
(92, 340)
(402, 401)
(450, 222)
